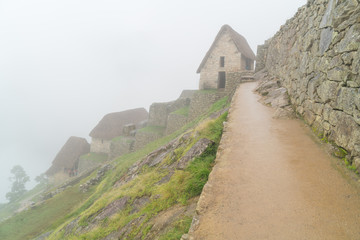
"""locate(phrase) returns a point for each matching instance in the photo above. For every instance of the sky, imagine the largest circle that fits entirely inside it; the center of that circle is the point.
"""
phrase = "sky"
(65, 64)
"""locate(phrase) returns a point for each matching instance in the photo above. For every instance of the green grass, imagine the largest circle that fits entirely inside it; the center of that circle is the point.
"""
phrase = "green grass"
(182, 186)
(8, 209)
(29, 224)
(57, 212)
(153, 129)
(220, 104)
(182, 111)
(95, 157)
(179, 228)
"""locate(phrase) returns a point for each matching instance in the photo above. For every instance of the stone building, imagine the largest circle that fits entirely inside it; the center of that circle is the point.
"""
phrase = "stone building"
(229, 53)
(112, 126)
(67, 159)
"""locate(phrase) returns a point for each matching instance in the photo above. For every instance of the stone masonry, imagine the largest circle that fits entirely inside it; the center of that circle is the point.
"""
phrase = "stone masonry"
(316, 56)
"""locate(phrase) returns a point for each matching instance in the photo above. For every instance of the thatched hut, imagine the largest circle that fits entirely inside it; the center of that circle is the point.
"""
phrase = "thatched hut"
(230, 52)
(111, 126)
(67, 159)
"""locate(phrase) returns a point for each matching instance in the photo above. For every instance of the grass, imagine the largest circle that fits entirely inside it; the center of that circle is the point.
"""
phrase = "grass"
(220, 104)
(95, 157)
(8, 209)
(28, 224)
(182, 111)
(153, 129)
(182, 186)
(71, 204)
(178, 229)
(205, 91)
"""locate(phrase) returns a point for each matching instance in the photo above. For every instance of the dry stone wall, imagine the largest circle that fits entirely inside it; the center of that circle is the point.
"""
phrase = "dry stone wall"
(175, 122)
(120, 147)
(100, 145)
(202, 100)
(316, 56)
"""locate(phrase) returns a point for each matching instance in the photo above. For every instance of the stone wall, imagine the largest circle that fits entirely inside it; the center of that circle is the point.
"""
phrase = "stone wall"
(225, 47)
(202, 100)
(121, 146)
(91, 161)
(143, 138)
(234, 79)
(159, 112)
(100, 145)
(316, 56)
(175, 122)
(261, 56)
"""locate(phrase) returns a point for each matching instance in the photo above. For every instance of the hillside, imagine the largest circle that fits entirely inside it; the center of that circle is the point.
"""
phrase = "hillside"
(147, 194)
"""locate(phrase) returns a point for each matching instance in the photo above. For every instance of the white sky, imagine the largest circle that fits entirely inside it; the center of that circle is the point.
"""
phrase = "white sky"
(64, 64)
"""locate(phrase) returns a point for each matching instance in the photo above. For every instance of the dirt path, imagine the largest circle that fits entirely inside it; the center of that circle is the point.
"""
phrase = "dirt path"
(272, 181)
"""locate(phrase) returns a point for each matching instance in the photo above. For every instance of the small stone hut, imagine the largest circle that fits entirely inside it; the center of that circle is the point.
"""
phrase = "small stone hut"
(111, 126)
(230, 52)
(67, 159)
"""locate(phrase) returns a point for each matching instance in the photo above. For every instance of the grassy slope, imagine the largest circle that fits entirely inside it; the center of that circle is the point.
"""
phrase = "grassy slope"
(71, 203)
(8, 209)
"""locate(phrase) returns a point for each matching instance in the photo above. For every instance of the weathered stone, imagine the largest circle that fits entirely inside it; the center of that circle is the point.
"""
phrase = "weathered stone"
(357, 163)
(353, 19)
(326, 112)
(338, 74)
(346, 100)
(326, 19)
(139, 203)
(326, 126)
(318, 108)
(195, 151)
(355, 67)
(351, 41)
(128, 128)
(325, 39)
(335, 62)
(343, 11)
(111, 209)
(357, 116)
(352, 84)
(346, 132)
(327, 91)
(312, 86)
(323, 85)
(309, 117)
(348, 57)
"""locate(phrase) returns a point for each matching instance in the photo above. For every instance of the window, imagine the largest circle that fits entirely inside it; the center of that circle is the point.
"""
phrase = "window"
(222, 61)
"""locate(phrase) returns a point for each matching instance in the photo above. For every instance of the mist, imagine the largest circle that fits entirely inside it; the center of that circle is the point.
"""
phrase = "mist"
(65, 64)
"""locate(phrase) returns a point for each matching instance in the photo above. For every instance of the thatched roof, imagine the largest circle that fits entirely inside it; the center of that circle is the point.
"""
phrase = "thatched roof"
(112, 124)
(239, 41)
(69, 154)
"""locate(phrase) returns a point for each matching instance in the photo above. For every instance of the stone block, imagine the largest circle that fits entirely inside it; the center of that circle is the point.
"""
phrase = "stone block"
(327, 91)
(338, 74)
(346, 99)
(351, 41)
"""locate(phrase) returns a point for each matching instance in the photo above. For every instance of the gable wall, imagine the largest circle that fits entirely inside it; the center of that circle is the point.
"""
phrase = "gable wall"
(100, 145)
(209, 73)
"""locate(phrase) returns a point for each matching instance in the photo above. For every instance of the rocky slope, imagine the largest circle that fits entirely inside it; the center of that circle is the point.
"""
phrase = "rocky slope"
(148, 194)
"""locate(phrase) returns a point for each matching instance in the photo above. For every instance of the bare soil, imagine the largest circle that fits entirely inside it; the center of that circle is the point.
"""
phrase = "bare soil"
(272, 180)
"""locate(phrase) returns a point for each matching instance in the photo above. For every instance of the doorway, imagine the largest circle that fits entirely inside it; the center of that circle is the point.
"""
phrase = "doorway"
(221, 80)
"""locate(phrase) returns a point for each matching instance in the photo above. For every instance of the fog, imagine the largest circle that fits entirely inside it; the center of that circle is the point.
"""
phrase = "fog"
(65, 64)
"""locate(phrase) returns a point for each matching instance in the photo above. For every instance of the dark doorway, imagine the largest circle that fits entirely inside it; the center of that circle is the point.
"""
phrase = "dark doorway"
(221, 80)
(248, 64)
